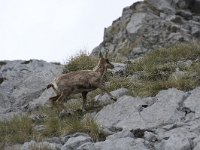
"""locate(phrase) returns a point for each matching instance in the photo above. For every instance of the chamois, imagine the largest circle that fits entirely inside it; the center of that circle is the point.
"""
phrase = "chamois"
(82, 81)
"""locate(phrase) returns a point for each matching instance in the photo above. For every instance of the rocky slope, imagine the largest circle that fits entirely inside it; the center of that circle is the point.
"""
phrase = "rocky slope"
(170, 120)
(151, 24)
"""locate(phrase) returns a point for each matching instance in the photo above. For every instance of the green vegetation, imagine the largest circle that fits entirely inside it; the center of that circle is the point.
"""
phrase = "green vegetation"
(77, 122)
(21, 129)
(117, 82)
(17, 130)
(154, 72)
(158, 66)
(177, 66)
(82, 61)
(157, 71)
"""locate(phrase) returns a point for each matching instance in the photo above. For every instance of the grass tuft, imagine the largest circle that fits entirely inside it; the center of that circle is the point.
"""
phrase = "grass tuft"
(21, 129)
(157, 67)
(82, 61)
(17, 130)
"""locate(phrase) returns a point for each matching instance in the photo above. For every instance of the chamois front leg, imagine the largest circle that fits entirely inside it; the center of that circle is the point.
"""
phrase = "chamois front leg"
(84, 95)
(109, 94)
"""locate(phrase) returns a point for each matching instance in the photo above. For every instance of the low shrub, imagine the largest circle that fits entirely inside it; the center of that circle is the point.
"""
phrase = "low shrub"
(82, 61)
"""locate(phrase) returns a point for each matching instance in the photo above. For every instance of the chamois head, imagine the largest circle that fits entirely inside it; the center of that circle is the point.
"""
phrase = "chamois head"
(105, 62)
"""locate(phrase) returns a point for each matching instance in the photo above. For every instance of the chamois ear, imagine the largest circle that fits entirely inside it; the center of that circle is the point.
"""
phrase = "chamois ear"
(100, 55)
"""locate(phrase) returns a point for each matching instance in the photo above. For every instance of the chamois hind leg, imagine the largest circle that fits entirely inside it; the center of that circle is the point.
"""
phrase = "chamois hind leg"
(84, 95)
(60, 98)
(53, 99)
(64, 95)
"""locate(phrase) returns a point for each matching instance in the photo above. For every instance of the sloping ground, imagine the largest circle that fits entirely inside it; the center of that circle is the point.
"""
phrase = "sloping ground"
(172, 116)
(170, 120)
(23, 84)
(164, 120)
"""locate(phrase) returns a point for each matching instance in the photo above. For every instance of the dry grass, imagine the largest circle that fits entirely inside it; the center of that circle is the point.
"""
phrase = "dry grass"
(82, 61)
(17, 130)
(21, 129)
(77, 122)
(157, 67)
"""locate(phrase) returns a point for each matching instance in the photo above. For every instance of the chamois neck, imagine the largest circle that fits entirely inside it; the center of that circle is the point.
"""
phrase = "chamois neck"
(100, 68)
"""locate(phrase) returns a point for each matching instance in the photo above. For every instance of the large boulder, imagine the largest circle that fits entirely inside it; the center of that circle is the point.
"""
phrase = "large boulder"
(24, 85)
(133, 113)
(135, 24)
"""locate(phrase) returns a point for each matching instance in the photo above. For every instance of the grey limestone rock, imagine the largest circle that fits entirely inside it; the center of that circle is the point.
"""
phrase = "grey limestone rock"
(177, 141)
(135, 24)
(105, 99)
(38, 145)
(126, 143)
(128, 112)
(193, 103)
(151, 24)
(119, 69)
(74, 142)
(24, 87)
